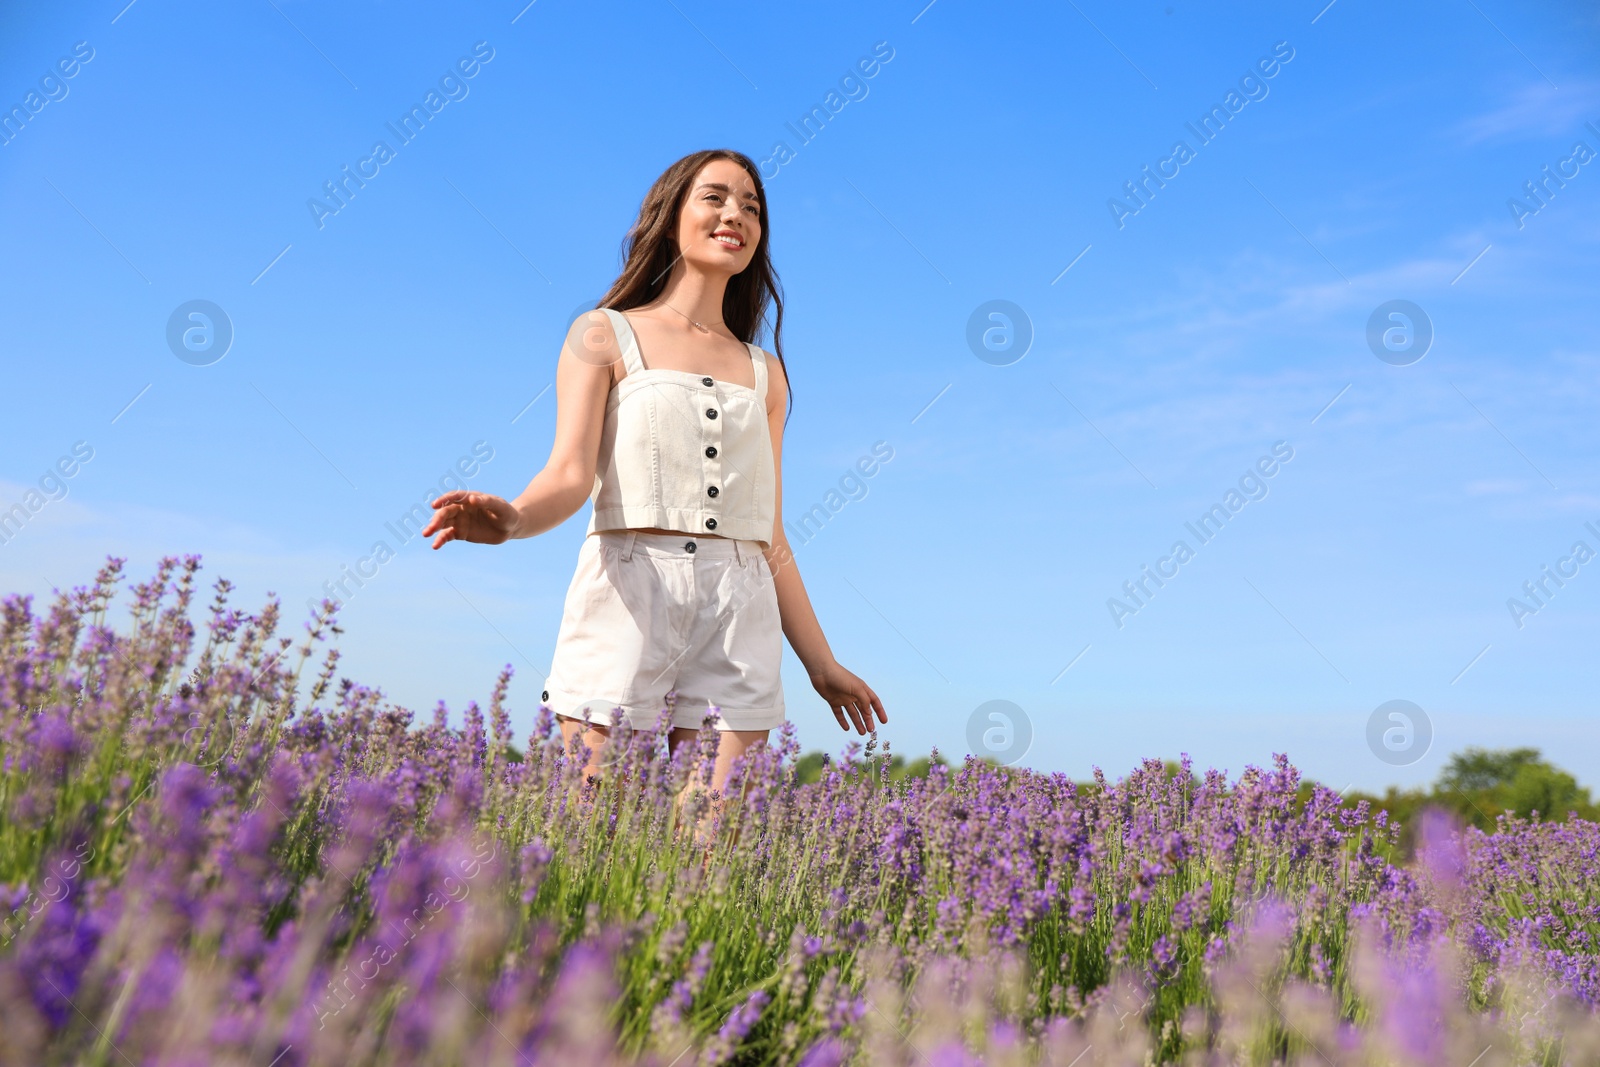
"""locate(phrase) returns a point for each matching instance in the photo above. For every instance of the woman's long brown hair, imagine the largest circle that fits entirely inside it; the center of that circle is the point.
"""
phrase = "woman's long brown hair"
(650, 250)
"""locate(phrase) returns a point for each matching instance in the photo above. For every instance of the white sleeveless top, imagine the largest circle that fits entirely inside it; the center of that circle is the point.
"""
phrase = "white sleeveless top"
(681, 451)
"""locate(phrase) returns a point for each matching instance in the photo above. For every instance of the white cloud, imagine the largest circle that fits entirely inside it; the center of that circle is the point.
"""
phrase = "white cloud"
(1536, 110)
(1495, 487)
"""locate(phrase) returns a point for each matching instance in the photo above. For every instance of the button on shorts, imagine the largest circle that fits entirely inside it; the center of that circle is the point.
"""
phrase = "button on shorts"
(649, 613)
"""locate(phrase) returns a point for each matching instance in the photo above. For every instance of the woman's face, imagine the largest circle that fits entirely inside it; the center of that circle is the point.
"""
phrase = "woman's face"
(719, 224)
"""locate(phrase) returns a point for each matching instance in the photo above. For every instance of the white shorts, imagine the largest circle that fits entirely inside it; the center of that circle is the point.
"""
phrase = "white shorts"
(650, 613)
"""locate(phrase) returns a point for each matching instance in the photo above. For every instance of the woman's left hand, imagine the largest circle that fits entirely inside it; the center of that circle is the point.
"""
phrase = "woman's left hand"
(848, 696)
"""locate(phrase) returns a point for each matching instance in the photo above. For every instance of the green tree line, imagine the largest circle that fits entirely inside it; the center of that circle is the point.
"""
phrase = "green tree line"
(1477, 785)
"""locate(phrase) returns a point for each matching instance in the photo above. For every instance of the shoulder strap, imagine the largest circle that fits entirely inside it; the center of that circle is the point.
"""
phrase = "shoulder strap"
(631, 360)
(758, 359)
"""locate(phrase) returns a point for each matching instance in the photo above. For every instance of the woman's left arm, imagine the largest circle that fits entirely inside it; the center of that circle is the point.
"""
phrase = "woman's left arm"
(845, 693)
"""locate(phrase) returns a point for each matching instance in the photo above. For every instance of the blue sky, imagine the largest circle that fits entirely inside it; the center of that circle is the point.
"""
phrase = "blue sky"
(985, 160)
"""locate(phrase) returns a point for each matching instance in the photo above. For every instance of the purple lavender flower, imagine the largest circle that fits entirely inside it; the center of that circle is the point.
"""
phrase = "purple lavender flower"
(338, 887)
(535, 858)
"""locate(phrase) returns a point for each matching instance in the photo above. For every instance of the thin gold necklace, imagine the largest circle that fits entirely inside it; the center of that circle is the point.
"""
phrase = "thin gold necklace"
(702, 327)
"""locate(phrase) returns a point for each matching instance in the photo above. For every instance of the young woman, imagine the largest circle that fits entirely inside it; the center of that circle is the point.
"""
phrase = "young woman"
(670, 417)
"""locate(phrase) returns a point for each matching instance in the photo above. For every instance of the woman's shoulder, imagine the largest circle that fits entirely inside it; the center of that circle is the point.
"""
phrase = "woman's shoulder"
(592, 339)
(777, 380)
(593, 319)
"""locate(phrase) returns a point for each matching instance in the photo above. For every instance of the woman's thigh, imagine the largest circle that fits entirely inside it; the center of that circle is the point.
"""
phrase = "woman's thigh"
(731, 744)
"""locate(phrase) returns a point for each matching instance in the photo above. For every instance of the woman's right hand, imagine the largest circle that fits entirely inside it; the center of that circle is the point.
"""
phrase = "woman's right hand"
(462, 515)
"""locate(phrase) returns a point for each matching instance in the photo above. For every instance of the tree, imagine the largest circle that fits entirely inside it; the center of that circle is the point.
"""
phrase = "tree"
(809, 767)
(1480, 784)
(1476, 770)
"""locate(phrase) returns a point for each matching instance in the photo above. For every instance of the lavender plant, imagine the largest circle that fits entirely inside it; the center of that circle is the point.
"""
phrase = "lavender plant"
(208, 858)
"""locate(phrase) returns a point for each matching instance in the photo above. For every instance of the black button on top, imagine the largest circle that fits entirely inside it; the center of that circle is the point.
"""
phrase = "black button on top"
(545, 695)
(711, 490)
(711, 413)
(711, 524)
(688, 546)
(711, 451)
(706, 381)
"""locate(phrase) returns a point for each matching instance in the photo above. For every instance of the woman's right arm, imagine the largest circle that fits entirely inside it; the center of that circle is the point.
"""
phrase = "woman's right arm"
(583, 380)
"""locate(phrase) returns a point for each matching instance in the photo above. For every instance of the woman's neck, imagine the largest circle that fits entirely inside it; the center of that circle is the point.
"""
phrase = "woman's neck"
(695, 294)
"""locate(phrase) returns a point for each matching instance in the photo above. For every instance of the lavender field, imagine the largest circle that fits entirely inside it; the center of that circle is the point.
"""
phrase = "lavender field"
(215, 851)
